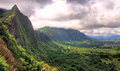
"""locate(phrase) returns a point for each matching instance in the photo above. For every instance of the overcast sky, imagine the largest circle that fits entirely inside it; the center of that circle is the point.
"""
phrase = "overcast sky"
(93, 17)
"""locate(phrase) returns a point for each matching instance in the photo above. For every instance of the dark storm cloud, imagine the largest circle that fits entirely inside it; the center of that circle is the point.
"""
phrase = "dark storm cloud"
(96, 26)
(77, 1)
(73, 16)
(44, 2)
(110, 5)
(26, 6)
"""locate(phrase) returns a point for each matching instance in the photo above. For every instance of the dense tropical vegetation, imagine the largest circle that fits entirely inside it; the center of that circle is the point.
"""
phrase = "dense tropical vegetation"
(51, 49)
(15, 57)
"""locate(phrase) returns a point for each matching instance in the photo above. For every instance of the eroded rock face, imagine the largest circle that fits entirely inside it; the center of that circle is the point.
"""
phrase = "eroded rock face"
(15, 9)
(21, 28)
(14, 29)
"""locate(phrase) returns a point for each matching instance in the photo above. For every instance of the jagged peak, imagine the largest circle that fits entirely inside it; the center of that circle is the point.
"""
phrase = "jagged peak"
(15, 8)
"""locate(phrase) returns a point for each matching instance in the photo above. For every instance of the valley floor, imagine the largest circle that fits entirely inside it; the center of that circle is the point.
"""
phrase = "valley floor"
(70, 58)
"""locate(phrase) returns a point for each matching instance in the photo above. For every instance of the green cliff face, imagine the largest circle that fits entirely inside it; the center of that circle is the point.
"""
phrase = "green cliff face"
(61, 34)
(18, 46)
(67, 37)
(19, 25)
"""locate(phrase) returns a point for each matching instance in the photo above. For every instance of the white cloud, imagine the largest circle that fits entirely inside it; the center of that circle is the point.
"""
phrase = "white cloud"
(52, 12)
(59, 12)
(93, 17)
(102, 31)
(27, 7)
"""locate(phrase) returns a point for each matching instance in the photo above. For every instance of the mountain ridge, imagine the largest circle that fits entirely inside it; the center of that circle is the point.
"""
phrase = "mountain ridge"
(14, 27)
(20, 24)
(111, 37)
(62, 34)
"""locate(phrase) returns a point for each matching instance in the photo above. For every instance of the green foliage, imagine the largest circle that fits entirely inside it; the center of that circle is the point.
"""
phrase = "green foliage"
(25, 61)
(28, 63)
(60, 34)
(8, 38)
(68, 37)
(77, 59)
(62, 51)
(15, 22)
(3, 65)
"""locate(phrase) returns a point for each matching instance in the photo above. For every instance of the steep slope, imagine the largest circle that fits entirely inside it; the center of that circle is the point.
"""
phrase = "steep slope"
(19, 25)
(24, 25)
(2, 10)
(3, 65)
(7, 56)
(15, 31)
(14, 54)
(61, 34)
(68, 37)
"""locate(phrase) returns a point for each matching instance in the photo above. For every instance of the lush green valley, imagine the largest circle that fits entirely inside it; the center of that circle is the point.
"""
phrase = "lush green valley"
(79, 55)
(81, 59)
(69, 37)
(50, 49)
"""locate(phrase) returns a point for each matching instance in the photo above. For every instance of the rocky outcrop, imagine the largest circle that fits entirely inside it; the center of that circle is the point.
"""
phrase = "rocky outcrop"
(21, 28)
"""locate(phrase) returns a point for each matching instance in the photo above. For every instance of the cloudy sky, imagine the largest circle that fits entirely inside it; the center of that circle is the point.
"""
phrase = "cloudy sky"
(93, 17)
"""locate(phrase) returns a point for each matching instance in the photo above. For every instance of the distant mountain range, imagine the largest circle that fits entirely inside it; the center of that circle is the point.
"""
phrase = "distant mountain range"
(111, 37)
(67, 37)
(61, 34)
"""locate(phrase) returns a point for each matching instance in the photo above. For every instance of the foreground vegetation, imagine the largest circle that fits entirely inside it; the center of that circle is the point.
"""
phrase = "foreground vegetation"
(15, 58)
(14, 55)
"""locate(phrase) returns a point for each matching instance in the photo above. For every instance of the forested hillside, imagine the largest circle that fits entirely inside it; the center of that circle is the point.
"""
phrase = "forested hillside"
(61, 34)
(17, 45)
(50, 49)
(69, 37)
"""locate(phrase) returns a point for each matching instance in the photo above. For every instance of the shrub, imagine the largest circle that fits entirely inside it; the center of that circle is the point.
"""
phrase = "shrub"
(3, 65)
